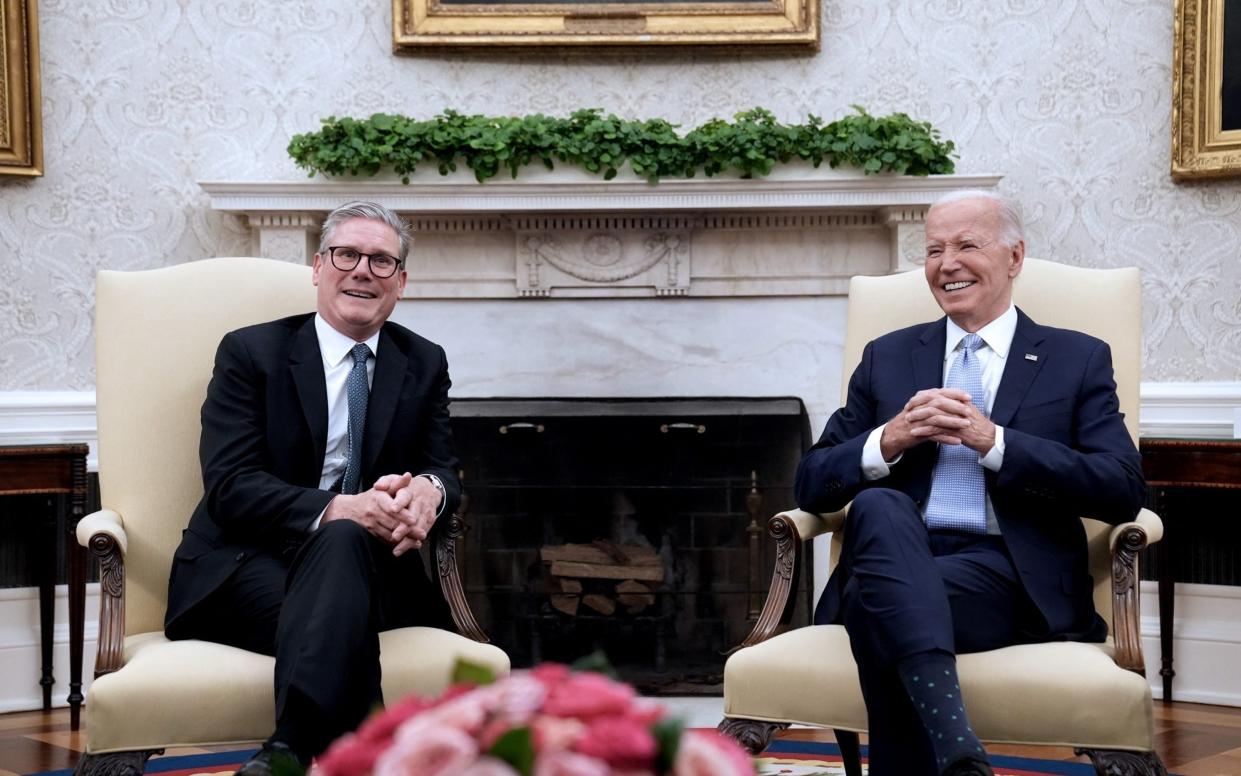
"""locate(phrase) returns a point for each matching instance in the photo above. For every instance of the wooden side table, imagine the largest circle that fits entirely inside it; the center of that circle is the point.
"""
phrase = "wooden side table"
(49, 470)
(1171, 463)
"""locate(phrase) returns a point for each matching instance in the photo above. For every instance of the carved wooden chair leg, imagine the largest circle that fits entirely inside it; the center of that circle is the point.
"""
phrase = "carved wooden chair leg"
(1112, 762)
(115, 763)
(752, 734)
(850, 751)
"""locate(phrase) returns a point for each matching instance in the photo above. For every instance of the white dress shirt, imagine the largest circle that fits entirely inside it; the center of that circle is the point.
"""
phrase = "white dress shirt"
(335, 348)
(997, 338)
(337, 364)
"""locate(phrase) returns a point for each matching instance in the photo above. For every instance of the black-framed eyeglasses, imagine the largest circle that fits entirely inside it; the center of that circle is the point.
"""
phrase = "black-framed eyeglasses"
(345, 259)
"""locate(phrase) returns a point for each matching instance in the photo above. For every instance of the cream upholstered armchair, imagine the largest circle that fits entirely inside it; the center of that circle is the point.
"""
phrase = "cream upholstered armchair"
(1090, 696)
(156, 335)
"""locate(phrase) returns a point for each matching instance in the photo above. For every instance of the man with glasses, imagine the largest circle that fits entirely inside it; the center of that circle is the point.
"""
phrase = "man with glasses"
(327, 456)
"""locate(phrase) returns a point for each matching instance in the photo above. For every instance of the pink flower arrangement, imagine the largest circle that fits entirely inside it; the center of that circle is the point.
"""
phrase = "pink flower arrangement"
(548, 721)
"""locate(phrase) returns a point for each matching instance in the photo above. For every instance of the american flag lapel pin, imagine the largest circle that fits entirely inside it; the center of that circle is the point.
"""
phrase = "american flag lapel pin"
(1031, 357)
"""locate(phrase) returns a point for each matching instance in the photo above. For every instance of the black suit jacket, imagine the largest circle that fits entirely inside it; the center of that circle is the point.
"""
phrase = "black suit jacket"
(1067, 455)
(264, 433)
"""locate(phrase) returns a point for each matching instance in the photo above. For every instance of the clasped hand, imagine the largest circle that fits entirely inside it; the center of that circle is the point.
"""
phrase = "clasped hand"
(399, 508)
(943, 415)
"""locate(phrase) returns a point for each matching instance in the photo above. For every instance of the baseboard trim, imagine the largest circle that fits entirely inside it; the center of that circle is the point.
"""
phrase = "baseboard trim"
(1206, 643)
(20, 650)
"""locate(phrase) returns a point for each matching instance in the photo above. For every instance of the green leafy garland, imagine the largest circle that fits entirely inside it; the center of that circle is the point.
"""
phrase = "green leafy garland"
(751, 144)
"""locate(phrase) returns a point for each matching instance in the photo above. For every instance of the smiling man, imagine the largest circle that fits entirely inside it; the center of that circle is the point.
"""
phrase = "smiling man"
(326, 456)
(969, 448)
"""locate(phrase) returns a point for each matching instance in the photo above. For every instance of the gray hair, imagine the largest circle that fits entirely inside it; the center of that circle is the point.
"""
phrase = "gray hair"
(373, 212)
(1012, 230)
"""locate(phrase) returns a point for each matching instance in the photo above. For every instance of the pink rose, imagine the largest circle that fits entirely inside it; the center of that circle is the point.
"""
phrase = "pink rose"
(380, 726)
(588, 695)
(518, 698)
(561, 763)
(645, 711)
(350, 755)
(465, 712)
(489, 766)
(549, 674)
(707, 753)
(552, 733)
(431, 750)
(620, 741)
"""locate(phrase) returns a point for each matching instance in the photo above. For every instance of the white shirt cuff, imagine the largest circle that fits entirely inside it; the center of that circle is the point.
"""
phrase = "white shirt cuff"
(873, 465)
(439, 485)
(315, 525)
(994, 458)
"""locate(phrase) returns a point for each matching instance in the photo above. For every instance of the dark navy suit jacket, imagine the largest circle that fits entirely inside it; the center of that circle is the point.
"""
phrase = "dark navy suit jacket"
(263, 438)
(1067, 455)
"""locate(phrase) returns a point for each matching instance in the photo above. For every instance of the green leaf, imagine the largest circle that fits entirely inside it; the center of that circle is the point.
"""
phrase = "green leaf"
(752, 143)
(472, 673)
(596, 662)
(516, 747)
(667, 733)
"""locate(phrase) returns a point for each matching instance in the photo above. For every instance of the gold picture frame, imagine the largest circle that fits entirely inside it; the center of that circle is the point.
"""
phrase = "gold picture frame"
(21, 123)
(429, 24)
(1206, 91)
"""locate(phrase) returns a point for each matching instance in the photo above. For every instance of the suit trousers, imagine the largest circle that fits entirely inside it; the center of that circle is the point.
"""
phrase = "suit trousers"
(907, 591)
(319, 611)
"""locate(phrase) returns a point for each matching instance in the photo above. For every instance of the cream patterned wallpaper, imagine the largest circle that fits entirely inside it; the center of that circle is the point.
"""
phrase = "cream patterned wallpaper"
(1070, 99)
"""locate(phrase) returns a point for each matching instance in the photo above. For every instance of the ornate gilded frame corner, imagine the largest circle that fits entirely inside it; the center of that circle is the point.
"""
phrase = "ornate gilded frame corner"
(430, 24)
(1201, 147)
(21, 122)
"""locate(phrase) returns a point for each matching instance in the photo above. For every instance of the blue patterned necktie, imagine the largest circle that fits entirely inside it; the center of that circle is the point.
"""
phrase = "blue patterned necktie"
(958, 487)
(357, 392)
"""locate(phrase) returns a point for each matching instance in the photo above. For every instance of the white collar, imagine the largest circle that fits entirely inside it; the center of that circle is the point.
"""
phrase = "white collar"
(998, 335)
(335, 346)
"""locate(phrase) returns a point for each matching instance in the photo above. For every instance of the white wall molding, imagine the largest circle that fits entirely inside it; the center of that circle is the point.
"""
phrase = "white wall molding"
(20, 647)
(799, 231)
(1206, 643)
(1189, 409)
(49, 417)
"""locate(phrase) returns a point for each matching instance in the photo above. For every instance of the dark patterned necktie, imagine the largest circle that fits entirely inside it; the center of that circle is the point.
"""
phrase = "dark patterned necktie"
(357, 392)
(958, 488)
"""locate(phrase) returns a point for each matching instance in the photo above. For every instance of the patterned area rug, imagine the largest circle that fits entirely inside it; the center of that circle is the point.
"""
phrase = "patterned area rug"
(806, 758)
(782, 758)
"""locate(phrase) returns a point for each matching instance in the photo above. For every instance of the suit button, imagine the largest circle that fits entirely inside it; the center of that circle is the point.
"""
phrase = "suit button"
(240, 556)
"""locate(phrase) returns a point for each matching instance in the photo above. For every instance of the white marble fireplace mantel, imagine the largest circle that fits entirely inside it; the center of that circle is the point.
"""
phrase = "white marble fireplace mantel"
(563, 233)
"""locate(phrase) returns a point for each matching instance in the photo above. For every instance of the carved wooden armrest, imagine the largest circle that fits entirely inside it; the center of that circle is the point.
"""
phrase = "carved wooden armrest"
(791, 530)
(1127, 540)
(103, 534)
(447, 531)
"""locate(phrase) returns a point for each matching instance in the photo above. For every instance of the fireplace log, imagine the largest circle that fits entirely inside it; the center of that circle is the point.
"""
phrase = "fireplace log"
(624, 554)
(600, 603)
(634, 595)
(607, 571)
(564, 594)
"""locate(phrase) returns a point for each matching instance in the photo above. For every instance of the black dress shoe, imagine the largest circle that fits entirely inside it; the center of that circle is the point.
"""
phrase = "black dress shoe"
(274, 759)
(968, 766)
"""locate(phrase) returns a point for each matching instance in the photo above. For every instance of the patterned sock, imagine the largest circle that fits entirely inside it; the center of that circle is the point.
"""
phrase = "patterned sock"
(930, 678)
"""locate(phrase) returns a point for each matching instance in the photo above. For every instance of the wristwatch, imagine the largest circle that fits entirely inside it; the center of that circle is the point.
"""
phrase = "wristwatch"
(439, 485)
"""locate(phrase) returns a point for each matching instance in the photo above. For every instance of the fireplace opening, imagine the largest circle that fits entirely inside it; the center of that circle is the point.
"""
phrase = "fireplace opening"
(632, 526)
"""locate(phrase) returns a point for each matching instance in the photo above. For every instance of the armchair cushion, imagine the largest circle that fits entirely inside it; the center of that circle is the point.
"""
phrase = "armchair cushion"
(1063, 693)
(182, 693)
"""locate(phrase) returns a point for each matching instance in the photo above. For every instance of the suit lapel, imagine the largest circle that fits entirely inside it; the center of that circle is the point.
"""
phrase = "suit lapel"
(390, 370)
(928, 370)
(1019, 371)
(306, 366)
(928, 356)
